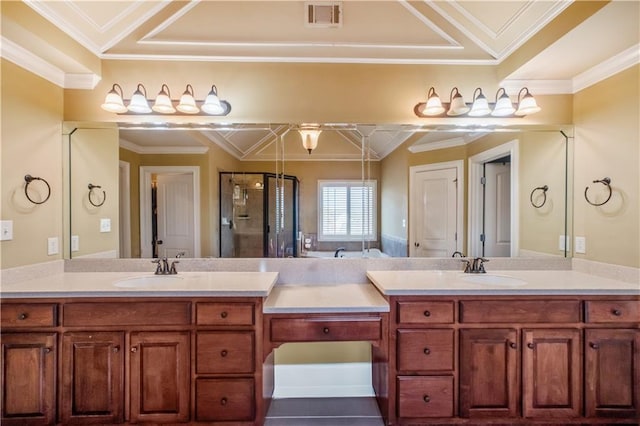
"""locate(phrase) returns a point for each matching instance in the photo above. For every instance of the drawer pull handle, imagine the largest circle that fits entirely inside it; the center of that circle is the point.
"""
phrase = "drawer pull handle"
(325, 330)
(134, 349)
(513, 345)
(426, 398)
(530, 345)
(224, 314)
(223, 401)
(23, 316)
(116, 349)
(593, 345)
(224, 353)
(426, 351)
(616, 312)
(427, 313)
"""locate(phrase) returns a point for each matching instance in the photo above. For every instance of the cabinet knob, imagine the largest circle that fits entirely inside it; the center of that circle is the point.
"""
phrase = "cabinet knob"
(116, 349)
(513, 345)
(325, 330)
(594, 345)
(530, 345)
(223, 401)
(224, 314)
(616, 312)
(426, 398)
(23, 316)
(427, 313)
(134, 349)
(224, 353)
(426, 351)
(47, 350)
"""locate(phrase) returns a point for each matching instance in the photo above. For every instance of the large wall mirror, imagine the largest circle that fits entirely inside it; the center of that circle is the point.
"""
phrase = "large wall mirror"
(439, 191)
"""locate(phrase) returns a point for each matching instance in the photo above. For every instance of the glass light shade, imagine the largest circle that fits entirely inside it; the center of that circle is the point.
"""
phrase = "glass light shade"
(527, 104)
(480, 106)
(187, 103)
(163, 103)
(433, 105)
(457, 105)
(310, 138)
(212, 104)
(139, 101)
(113, 101)
(503, 106)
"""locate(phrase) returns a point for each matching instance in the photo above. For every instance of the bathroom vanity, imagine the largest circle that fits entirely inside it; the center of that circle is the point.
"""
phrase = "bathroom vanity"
(544, 346)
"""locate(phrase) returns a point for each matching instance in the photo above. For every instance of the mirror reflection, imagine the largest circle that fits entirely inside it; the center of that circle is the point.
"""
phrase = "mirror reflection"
(390, 190)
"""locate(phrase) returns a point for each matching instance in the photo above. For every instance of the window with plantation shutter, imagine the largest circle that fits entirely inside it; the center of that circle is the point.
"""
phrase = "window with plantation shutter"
(346, 210)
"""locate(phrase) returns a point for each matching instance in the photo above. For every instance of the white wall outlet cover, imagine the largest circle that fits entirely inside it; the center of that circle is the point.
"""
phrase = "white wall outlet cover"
(581, 245)
(6, 230)
(75, 243)
(52, 246)
(105, 225)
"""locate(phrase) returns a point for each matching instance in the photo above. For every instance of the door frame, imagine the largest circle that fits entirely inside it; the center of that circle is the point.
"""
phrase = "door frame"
(145, 205)
(476, 162)
(125, 209)
(413, 172)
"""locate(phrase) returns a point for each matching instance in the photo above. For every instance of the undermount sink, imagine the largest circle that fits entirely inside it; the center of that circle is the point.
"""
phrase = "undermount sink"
(148, 281)
(490, 279)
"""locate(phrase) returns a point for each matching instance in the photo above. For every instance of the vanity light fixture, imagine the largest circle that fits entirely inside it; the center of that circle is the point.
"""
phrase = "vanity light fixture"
(310, 135)
(163, 104)
(480, 107)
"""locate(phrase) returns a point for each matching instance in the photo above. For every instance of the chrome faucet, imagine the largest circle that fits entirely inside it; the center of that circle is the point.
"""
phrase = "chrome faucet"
(475, 266)
(163, 267)
(337, 253)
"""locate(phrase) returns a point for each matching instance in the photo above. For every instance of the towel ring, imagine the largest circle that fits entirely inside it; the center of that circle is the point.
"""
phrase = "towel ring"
(544, 190)
(104, 195)
(28, 179)
(606, 182)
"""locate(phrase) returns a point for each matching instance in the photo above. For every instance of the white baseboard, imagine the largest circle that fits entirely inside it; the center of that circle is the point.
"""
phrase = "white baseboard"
(323, 380)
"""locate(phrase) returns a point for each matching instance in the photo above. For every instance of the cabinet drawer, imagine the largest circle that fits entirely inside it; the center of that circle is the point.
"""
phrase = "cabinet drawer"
(425, 350)
(325, 329)
(225, 314)
(612, 311)
(225, 400)
(28, 315)
(224, 352)
(430, 396)
(521, 311)
(126, 313)
(425, 312)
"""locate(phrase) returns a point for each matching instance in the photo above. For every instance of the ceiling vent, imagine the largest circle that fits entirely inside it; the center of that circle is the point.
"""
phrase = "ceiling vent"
(323, 14)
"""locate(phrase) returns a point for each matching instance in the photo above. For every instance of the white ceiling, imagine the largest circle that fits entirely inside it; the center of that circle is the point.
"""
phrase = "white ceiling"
(392, 31)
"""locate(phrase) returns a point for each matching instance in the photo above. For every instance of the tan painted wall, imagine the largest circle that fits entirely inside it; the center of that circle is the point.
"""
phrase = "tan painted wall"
(31, 144)
(608, 145)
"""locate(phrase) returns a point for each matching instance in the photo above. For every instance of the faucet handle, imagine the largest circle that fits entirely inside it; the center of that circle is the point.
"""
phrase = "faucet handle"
(158, 267)
(467, 265)
(480, 267)
(172, 269)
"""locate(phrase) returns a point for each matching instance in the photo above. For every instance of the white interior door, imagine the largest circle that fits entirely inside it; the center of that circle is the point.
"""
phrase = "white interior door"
(175, 214)
(436, 213)
(497, 218)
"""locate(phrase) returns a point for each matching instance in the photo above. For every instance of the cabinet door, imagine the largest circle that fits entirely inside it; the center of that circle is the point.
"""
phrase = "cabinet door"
(28, 378)
(159, 374)
(92, 378)
(612, 373)
(488, 373)
(551, 373)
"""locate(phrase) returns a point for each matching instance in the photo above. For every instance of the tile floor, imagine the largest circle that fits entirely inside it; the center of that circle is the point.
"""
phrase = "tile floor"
(324, 412)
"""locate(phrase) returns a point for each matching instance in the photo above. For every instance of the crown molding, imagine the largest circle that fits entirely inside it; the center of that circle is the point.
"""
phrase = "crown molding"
(162, 149)
(608, 68)
(31, 62)
(81, 81)
(538, 87)
(446, 143)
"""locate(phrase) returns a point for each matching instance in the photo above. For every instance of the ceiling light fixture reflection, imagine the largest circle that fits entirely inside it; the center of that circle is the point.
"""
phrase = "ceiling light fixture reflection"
(163, 104)
(480, 107)
(310, 135)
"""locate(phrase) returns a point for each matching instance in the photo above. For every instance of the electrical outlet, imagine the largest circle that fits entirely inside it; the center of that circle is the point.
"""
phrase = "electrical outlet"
(52, 246)
(6, 230)
(581, 245)
(75, 243)
(105, 225)
(562, 241)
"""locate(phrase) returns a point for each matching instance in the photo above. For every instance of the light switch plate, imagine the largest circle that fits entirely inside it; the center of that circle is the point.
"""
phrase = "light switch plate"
(581, 245)
(52, 246)
(75, 243)
(6, 230)
(105, 225)
(561, 243)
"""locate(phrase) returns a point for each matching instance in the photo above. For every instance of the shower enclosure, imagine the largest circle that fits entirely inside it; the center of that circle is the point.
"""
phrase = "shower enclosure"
(258, 215)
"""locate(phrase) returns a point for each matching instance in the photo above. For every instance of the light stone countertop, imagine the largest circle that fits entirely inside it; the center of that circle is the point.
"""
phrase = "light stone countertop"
(337, 298)
(512, 282)
(109, 284)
